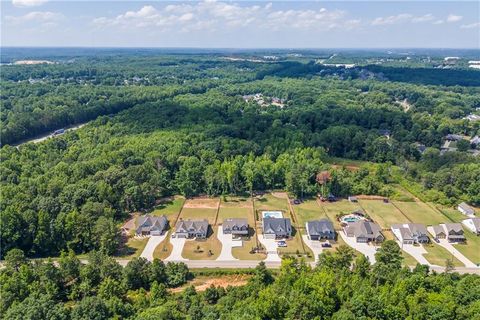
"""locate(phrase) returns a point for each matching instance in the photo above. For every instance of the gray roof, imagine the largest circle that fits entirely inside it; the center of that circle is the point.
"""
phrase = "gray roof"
(418, 229)
(235, 222)
(476, 223)
(197, 226)
(317, 227)
(364, 228)
(466, 208)
(455, 227)
(277, 225)
(151, 223)
(438, 229)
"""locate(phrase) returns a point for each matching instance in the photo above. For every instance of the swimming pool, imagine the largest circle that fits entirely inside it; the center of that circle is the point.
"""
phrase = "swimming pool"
(272, 214)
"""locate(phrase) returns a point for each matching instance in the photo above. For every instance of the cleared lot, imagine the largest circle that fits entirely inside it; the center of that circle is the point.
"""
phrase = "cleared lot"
(385, 214)
(420, 212)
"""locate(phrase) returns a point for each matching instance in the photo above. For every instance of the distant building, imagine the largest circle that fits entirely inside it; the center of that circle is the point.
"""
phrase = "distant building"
(352, 199)
(453, 137)
(475, 140)
(150, 225)
(473, 224)
(466, 209)
(410, 233)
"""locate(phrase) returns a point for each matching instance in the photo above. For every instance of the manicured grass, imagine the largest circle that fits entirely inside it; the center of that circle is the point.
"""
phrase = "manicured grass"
(338, 207)
(408, 260)
(243, 252)
(270, 202)
(451, 213)
(308, 210)
(199, 249)
(164, 249)
(438, 255)
(471, 249)
(225, 213)
(385, 214)
(235, 202)
(420, 212)
(170, 208)
(199, 214)
(132, 248)
(295, 244)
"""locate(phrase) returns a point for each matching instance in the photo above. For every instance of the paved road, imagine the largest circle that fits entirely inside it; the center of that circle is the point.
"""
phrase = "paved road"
(49, 135)
(152, 243)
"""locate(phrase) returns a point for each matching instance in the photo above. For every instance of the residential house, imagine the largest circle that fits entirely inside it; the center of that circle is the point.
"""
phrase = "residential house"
(454, 232)
(191, 229)
(276, 228)
(364, 231)
(320, 229)
(466, 209)
(236, 227)
(410, 233)
(439, 232)
(473, 224)
(150, 225)
(453, 137)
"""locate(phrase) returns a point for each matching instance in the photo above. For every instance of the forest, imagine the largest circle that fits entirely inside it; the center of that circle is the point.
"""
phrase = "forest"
(341, 286)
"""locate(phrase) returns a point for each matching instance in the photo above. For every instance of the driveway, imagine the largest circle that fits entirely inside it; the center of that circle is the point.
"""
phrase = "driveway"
(152, 243)
(227, 244)
(364, 248)
(416, 252)
(457, 254)
(271, 248)
(316, 246)
(177, 244)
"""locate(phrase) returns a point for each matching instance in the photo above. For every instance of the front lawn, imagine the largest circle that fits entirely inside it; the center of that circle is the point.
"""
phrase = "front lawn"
(438, 255)
(164, 248)
(132, 248)
(203, 249)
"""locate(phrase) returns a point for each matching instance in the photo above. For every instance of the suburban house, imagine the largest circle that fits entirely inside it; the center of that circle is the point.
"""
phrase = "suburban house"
(473, 224)
(453, 137)
(320, 229)
(466, 209)
(453, 232)
(236, 227)
(364, 231)
(153, 226)
(275, 228)
(410, 233)
(191, 229)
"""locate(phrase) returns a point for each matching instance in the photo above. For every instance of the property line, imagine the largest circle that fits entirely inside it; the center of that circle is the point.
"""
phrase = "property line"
(254, 219)
(403, 213)
(294, 215)
(180, 212)
(216, 213)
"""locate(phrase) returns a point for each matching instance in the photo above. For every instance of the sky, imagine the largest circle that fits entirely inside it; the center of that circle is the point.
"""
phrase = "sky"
(241, 24)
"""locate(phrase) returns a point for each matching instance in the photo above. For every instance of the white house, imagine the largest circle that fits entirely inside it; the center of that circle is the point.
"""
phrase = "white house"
(472, 224)
(466, 209)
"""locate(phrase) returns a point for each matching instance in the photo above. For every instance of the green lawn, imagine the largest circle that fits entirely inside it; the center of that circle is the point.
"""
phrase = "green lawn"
(200, 249)
(471, 249)
(235, 202)
(225, 213)
(420, 212)
(132, 248)
(385, 214)
(338, 207)
(199, 214)
(306, 211)
(243, 252)
(271, 202)
(169, 208)
(451, 213)
(295, 244)
(438, 255)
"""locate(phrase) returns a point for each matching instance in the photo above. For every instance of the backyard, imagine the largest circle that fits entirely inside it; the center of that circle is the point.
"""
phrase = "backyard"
(332, 209)
(169, 207)
(385, 214)
(420, 212)
(308, 210)
(269, 201)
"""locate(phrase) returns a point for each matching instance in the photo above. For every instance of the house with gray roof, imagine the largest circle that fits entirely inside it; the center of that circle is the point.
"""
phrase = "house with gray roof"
(466, 209)
(236, 227)
(191, 229)
(150, 225)
(364, 231)
(410, 233)
(277, 228)
(473, 224)
(454, 232)
(320, 229)
(439, 232)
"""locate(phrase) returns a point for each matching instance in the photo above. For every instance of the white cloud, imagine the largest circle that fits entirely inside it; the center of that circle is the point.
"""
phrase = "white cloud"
(471, 25)
(213, 15)
(28, 3)
(438, 21)
(454, 18)
(403, 17)
(424, 18)
(43, 17)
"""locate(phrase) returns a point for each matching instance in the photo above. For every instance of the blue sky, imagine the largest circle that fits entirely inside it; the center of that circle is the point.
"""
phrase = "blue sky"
(241, 24)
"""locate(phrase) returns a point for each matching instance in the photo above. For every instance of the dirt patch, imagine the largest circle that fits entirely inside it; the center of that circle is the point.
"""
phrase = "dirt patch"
(201, 284)
(370, 197)
(206, 203)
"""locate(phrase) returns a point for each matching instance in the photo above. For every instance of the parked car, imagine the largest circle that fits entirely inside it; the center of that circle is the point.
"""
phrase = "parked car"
(436, 240)
(296, 201)
(281, 244)
(326, 245)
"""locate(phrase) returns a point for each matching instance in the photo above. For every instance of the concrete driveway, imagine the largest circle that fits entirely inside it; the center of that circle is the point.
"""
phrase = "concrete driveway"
(271, 248)
(416, 252)
(177, 244)
(152, 243)
(457, 254)
(227, 244)
(364, 248)
(316, 246)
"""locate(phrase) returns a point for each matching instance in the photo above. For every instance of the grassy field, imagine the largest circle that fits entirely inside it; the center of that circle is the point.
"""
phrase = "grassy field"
(337, 207)
(385, 214)
(270, 202)
(170, 208)
(199, 214)
(225, 213)
(132, 248)
(471, 249)
(164, 249)
(421, 213)
(308, 210)
(199, 249)
(295, 244)
(243, 252)
(438, 255)
(451, 213)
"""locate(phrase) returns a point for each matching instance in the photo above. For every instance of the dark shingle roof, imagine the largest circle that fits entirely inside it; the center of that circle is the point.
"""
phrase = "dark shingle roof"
(317, 227)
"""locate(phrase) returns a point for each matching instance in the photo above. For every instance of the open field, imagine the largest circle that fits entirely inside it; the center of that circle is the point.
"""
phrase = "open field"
(438, 255)
(271, 202)
(308, 210)
(132, 248)
(385, 214)
(337, 207)
(199, 214)
(194, 203)
(236, 202)
(420, 212)
(164, 249)
(471, 249)
(170, 208)
(200, 249)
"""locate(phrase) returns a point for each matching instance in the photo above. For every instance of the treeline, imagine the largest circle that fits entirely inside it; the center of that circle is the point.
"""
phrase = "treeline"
(341, 287)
